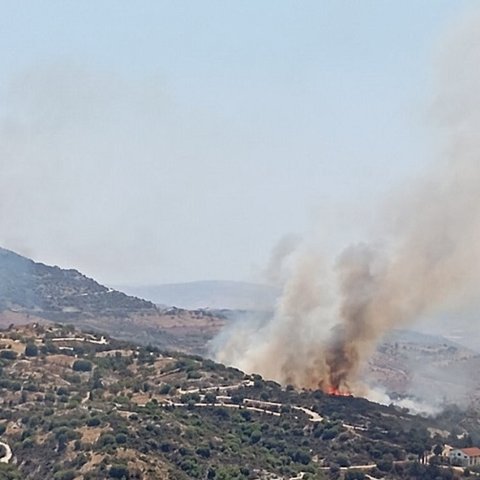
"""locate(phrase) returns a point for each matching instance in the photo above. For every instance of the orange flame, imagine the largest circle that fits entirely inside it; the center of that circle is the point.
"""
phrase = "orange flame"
(338, 392)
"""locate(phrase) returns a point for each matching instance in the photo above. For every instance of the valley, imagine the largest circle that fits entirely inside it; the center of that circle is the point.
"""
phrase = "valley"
(97, 384)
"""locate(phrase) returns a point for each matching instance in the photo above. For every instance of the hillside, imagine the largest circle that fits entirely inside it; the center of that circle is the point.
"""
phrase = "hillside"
(82, 406)
(430, 368)
(31, 291)
(52, 292)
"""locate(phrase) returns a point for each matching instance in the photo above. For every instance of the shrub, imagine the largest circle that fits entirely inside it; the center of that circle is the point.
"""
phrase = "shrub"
(166, 447)
(386, 463)
(30, 387)
(165, 389)
(9, 472)
(343, 461)
(193, 375)
(187, 397)
(93, 422)
(82, 366)
(118, 471)
(8, 354)
(121, 438)
(329, 433)
(203, 452)
(255, 436)
(237, 399)
(106, 439)
(301, 457)
(354, 475)
(265, 396)
(31, 350)
(210, 397)
(65, 475)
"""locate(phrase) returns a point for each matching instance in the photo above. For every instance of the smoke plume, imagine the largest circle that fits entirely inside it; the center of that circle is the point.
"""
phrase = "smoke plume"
(426, 257)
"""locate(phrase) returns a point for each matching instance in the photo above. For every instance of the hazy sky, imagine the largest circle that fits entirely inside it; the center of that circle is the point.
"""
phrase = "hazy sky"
(151, 142)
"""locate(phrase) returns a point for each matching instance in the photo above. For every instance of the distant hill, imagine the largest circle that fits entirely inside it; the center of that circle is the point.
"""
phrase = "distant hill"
(52, 292)
(405, 363)
(32, 291)
(431, 368)
(212, 294)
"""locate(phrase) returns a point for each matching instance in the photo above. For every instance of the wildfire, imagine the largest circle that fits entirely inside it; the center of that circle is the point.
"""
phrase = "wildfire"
(338, 392)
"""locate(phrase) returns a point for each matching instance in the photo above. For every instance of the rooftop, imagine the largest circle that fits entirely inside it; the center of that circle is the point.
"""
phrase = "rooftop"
(471, 452)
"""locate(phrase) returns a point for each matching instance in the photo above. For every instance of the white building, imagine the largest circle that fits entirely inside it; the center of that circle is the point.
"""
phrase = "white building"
(465, 457)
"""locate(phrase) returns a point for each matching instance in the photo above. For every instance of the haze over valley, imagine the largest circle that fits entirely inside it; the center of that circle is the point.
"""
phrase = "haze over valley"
(239, 241)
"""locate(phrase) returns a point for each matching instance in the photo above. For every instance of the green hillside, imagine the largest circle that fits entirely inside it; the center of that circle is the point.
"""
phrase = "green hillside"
(82, 406)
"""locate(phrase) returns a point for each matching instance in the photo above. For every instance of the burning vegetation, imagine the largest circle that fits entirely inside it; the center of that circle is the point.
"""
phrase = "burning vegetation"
(331, 314)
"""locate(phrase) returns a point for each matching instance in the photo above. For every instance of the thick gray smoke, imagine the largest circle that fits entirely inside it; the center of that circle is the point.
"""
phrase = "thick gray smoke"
(427, 257)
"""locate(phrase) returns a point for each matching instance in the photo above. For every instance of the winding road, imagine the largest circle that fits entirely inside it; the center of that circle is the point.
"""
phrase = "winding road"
(102, 341)
(251, 404)
(8, 453)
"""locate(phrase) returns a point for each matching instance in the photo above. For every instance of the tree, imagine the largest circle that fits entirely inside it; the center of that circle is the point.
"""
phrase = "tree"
(9, 472)
(62, 440)
(203, 451)
(255, 436)
(237, 399)
(31, 350)
(334, 471)
(93, 422)
(210, 397)
(65, 475)
(385, 464)
(438, 450)
(418, 449)
(8, 354)
(164, 389)
(119, 471)
(105, 439)
(343, 460)
(352, 475)
(82, 366)
(330, 433)
(301, 456)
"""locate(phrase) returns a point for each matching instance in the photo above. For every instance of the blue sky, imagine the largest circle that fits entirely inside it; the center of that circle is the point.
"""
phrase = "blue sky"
(150, 142)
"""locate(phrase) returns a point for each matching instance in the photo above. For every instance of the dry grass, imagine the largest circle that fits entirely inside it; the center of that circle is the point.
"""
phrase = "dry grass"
(91, 434)
(95, 459)
(61, 360)
(140, 398)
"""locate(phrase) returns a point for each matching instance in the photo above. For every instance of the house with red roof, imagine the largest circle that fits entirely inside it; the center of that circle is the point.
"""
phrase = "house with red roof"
(465, 457)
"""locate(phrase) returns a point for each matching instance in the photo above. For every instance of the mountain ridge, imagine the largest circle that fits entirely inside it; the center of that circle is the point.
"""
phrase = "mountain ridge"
(33, 291)
(405, 364)
(26, 284)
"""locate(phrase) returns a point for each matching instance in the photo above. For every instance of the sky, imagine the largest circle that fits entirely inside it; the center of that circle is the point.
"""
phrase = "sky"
(161, 141)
